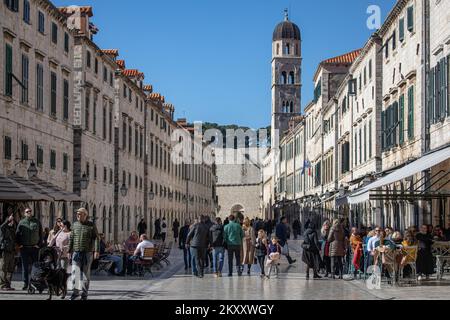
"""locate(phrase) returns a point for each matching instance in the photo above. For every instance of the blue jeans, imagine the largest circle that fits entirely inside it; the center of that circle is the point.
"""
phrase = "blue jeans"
(198, 260)
(118, 262)
(29, 256)
(218, 257)
(81, 275)
(193, 254)
(187, 258)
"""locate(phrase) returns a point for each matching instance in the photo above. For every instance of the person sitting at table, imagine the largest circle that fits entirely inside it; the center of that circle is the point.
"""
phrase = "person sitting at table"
(130, 246)
(140, 249)
(384, 241)
(397, 238)
(107, 253)
(438, 234)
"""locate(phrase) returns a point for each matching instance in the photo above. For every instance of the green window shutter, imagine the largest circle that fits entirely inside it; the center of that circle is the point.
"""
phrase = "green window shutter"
(410, 14)
(395, 124)
(448, 85)
(8, 70)
(411, 113)
(383, 130)
(401, 30)
(430, 112)
(443, 93)
(437, 88)
(402, 120)
(370, 139)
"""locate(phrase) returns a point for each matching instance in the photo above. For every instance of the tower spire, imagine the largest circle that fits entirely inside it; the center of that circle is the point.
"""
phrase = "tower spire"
(286, 15)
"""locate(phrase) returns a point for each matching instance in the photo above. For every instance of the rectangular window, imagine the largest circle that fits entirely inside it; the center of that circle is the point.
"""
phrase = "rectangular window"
(151, 153)
(104, 121)
(12, 5)
(96, 66)
(95, 172)
(105, 74)
(365, 75)
(25, 77)
(26, 11)
(8, 70)
(136, 142)
(105, 175)
(41, 22)
(110, 121)
(124, 136)
(52, 159)
(94, 115)
(370, 69)
(24, 151)
(54, 33)
(394, 41)
(7, 148)
(39, 87)
(141, 145)
(411, 113)
(401, 125)
(53, 81)
(365, 143)
(110, 176)
(66, 100)
(111, 79)
(130, 138)
(124, 91)
(88, 170)
(410, 13)
(370, 139)
(355, 156)
(86, 111)
(401, 29)
(152, 115)
(65, 162)
(88, 59)
(66, 42)
(360, 146)
(39, 155)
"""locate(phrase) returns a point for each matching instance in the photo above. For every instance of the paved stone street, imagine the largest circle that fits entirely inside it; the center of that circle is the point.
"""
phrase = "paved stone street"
(172, 283)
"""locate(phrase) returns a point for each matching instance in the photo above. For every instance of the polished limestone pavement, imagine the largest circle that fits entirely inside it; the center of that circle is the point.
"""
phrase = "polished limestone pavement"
(173, 283)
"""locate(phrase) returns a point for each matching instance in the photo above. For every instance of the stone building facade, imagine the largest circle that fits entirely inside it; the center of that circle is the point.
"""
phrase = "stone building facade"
(91, 125)
(35, 101)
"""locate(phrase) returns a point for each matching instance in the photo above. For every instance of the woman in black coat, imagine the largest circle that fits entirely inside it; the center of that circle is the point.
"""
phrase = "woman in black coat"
(311, 251)
(424, 263)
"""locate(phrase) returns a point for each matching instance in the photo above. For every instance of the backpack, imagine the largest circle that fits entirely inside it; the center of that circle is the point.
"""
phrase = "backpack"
(164, 225)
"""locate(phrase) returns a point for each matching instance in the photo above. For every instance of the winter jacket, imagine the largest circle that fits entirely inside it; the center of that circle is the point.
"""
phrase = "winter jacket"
(233, 234)
(282, 233)
(337, 241)
(29, 232)
(198, 236)
(312, 240)
(84, 237)
(184, 231)
(216, 239)
(7, 237)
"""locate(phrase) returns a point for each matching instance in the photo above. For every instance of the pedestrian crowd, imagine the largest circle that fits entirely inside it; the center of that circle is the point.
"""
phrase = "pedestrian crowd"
(335, 249)
(246, 243)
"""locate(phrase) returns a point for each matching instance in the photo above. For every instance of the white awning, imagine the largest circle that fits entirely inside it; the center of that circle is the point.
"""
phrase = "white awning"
(424, 163)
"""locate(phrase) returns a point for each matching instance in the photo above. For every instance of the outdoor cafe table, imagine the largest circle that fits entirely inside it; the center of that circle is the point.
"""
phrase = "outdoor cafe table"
(441, 251)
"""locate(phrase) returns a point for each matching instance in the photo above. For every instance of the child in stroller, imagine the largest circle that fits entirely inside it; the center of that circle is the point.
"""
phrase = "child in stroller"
(45, 274)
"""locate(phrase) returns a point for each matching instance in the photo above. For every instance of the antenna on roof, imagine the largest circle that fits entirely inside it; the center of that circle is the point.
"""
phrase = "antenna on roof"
(286, 14)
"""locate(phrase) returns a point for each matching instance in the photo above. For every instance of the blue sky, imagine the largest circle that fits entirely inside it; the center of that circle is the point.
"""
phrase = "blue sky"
(211, 59)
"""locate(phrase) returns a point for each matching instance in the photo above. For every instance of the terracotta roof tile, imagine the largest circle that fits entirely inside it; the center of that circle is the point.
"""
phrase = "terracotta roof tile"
(133, 73)
(148, 88)
(69, 10)
(343, 59)
(111, 52)
(121, 63)
(157, 97)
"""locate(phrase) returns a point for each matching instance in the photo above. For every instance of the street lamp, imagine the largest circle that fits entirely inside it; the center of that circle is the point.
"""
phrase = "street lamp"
(32, 170)
(123, 190)
(84, 182)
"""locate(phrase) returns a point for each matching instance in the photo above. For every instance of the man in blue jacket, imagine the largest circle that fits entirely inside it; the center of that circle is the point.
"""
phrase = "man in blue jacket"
(282, 235)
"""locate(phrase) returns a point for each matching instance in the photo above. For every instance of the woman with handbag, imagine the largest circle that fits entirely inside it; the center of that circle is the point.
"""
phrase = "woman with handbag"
(311, 251)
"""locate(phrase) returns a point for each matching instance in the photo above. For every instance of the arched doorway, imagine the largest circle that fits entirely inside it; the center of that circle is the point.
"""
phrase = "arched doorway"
(238, 211)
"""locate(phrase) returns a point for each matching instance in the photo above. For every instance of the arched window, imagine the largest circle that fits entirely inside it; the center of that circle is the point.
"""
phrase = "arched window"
(292, 107)
(51, 218)
(283, 78)
(291, 78)
(278, 49)
(109, 221)
(287, 49)
(104, 220)
(94, 214)
(296, 49)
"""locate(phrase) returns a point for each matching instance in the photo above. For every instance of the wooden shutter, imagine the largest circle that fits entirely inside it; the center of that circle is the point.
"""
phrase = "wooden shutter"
(411, 112)
(395, 124)
(410, 19)
(8, 70)
(401, 30)
(383, 130)
(443, 89)
(402, 120)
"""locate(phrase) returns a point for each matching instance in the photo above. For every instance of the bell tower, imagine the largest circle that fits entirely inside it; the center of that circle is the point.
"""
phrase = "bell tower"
(286, 76)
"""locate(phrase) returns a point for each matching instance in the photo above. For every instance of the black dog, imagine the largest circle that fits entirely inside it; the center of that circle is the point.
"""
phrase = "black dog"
(46, 275)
